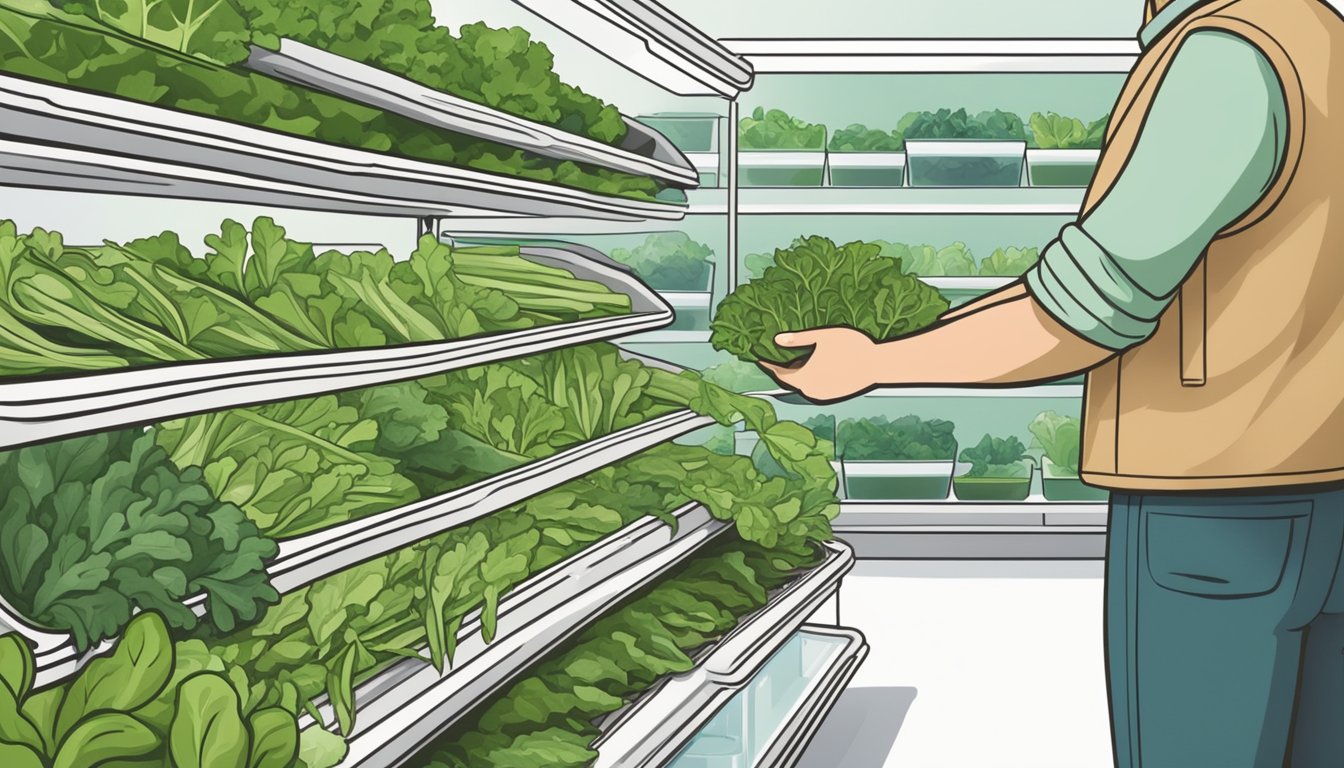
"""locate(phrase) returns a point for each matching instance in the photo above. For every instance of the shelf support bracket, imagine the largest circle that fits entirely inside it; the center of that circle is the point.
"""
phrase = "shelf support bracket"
(426, 225)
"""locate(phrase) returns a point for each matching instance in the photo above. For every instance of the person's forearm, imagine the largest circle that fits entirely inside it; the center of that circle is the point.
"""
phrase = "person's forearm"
(1010, 341)
(1007, 293)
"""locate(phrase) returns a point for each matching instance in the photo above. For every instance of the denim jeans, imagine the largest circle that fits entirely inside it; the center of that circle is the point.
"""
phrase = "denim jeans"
(1225, 629)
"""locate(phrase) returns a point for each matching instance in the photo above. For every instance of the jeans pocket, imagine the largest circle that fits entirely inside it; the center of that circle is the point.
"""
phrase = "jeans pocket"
(1225, 555)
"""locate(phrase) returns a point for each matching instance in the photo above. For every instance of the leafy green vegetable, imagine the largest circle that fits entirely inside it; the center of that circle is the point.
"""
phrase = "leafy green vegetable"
(755, 264)
(949, 124)
(818, 284)
(95, 527)
(954, 260)
(176, 54)
(908, 438)
(996, 457)
(776, 129)
(548, 718)
(1060, 437)
(670, 261)
(1009, 262)
(739, 376)
(861, 138)
(146, 703)
(500, 68)
(1052, 131)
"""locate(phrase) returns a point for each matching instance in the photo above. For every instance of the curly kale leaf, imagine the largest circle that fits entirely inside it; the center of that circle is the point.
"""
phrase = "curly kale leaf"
(817, 284)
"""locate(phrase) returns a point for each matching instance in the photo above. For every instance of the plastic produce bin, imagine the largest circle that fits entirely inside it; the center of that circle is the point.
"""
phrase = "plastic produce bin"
(1058, 485)
(781, 167)
(994, 488)
(688, 131)
(693, 309)
(1061, 167)
(866, 169)
(897, 480)
(965, 163)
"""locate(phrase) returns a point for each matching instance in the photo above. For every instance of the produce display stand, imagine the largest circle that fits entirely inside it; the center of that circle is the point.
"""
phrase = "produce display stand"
(656, 727)
(308, 558)
(48, 408)
(644, 152)
(406, 706)
(1035, 529)
(65, 139)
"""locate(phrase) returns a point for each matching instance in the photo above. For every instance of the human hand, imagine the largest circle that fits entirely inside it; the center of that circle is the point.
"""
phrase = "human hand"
(841, 364)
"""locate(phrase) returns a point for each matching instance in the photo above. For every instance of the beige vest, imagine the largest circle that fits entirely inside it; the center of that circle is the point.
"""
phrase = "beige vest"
(1242, 385)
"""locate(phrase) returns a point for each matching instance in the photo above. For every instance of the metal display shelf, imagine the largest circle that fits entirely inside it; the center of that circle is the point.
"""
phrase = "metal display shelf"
(652, 730)
(645, 152)
(937, 56)
(408, 705)
(34, 411)
(653, 42)
(927, 201)
(65, 139)
(1031, 530)
(305, 559)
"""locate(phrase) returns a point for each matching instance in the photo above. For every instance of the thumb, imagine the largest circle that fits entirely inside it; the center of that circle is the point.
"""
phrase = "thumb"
(793, 339)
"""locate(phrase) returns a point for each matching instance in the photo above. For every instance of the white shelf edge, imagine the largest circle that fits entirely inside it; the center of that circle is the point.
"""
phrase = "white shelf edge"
(653, 729)
(66, 139)
(1039, 391)
(930, 56)
(931, 201)
(649, 40)
(315, 68)
(305, 559)
(408, 705)
(667, 337)
(48, 408)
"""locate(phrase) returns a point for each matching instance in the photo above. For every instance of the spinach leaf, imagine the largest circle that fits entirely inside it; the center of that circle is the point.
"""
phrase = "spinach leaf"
(208, 730)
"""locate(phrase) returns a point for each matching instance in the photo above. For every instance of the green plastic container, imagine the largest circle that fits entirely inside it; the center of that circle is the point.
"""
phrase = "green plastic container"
(688, 131)
(897, 480)
(1058, 485)
(1061, 167)
(965, 163)
(866, 169)
(993, 488)
(781, 168)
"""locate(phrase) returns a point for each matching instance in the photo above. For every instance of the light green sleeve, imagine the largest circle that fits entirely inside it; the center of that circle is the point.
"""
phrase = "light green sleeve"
(1210, 148)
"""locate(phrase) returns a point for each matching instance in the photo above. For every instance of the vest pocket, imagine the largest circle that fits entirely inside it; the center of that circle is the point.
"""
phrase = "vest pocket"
(1218, 555)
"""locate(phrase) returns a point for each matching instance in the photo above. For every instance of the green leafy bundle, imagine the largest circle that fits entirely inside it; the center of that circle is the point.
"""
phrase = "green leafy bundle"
(818, 284)
(954, 260)
(258, 292)
(180, 54)
(776, 129)
(996, 457)
(94, 528)
(499, 68)
(547, 719)
(949, 124)
(1053, 131)
(1009, 262)
(908, 438)
(861, 138)
(670, 261)
(738, 376)
(144, 704)
(1060, 437)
